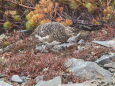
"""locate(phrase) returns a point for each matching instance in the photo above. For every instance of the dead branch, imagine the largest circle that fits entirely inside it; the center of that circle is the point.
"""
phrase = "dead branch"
(20, 4)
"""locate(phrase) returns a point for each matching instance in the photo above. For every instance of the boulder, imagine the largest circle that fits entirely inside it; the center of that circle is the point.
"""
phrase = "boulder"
(87, 70)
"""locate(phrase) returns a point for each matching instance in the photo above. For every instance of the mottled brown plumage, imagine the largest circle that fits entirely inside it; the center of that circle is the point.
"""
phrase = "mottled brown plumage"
(54, 31)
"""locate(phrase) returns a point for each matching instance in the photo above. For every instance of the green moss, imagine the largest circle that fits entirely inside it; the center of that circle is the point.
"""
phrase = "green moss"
(7, 25)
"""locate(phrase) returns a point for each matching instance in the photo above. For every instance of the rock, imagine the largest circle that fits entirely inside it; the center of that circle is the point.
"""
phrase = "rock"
(24, 78)
(74, 39)
(87, 70)
(39, 78)
(81, 41)
(52, 44)
(3, 36)
(108, 43)
(110, 65)
(2, 83)
(42, 48)
(16, 78)
(61, 47)
(2, 75)
(1, 50)
(54, 82)
(105, 59)
(112, 70)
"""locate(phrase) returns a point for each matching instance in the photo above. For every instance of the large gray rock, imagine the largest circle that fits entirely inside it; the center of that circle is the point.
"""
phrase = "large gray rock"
(2, 83)
(87, 70)
(54, 82)
(16, 78)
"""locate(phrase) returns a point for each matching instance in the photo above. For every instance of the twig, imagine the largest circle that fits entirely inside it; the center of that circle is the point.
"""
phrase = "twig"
(20, 4)
(108, 2)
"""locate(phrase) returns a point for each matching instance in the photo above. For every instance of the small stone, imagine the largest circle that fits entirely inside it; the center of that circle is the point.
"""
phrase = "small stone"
(110, 65)
(74, 39)
(24, 78)
(3, 36)
(54, 82)
(62, 47)
(50, 45)
(1, 50)
(42, 48)
(81, 41)
(16, 78)
(45, 69)
(2, 75)
(112, 70)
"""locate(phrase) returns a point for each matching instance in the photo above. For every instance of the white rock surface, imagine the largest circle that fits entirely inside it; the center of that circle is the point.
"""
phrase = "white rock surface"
(16, 78)
(2, 83)
(87, 70)
(39, 78)
(108, 43)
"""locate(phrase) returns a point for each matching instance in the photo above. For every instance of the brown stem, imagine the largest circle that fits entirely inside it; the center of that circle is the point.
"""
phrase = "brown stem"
(20, 4)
